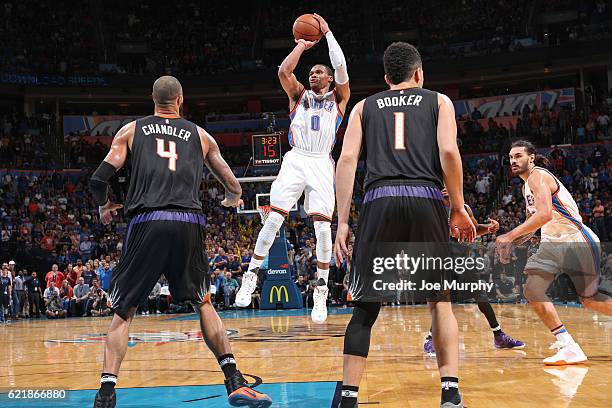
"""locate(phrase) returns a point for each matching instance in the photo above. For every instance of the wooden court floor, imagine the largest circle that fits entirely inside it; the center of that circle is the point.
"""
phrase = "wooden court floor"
(281, 348)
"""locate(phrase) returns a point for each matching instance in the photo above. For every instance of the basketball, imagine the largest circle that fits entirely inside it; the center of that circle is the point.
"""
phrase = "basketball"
(307, 27)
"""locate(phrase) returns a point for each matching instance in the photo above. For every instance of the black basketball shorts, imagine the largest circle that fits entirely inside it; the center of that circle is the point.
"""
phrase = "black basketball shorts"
(395, 214)
(168, 242)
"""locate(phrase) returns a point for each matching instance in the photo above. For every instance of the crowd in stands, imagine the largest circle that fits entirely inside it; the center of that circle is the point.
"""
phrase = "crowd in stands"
(22, 144)
(219, 38)
(591, 22)
(47, 37)
(200, 38)
(65, 256)
(545, 126)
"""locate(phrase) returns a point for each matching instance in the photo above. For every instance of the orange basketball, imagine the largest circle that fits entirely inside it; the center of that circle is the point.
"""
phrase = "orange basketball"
(307, 27)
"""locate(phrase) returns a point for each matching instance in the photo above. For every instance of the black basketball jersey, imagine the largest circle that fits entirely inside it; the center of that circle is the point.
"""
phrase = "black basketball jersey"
(167, 166)
(400, 138)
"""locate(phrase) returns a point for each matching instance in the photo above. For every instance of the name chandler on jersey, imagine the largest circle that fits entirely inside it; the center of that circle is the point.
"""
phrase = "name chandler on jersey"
(402, 100)
(166, 130)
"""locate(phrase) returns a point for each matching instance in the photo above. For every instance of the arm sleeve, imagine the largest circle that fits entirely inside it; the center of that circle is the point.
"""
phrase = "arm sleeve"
(337, 59)
(98, 185)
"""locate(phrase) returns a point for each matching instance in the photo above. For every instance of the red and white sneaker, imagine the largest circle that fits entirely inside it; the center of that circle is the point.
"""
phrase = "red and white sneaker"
(568, 353)
(319, 297)
(249, 284)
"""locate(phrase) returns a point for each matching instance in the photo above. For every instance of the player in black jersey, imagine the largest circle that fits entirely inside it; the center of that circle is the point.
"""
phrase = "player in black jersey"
(410, 137)
(166, 231)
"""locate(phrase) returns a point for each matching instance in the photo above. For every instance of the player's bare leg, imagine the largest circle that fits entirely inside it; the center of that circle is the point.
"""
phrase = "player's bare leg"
(265, 240)
(117, 341)
(215, 336)
(446, 340)
(323, 235)
(568, 351)
(115, 348)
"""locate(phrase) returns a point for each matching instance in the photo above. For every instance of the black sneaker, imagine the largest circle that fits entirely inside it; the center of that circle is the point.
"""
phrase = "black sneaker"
(105, 401)
(239, 394)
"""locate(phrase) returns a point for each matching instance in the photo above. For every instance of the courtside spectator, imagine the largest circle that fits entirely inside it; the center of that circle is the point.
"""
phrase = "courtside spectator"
(55, 276)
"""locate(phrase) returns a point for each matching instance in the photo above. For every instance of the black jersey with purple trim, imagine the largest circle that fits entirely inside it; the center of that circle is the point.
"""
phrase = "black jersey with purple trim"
(167, 166)
(400, 134)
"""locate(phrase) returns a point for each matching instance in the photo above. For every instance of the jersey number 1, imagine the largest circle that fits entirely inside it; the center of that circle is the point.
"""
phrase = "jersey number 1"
(399, 130)
(169, 154)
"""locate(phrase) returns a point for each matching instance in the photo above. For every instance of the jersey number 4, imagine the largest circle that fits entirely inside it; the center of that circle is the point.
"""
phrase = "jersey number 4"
(169, 154)
(399, 130)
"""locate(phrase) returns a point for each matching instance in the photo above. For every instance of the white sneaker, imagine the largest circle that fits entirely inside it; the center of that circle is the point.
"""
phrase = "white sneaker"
(319, 309)
(249, 283)
(569, 353)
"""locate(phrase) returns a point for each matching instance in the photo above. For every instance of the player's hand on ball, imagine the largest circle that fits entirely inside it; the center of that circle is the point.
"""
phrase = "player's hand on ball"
(493, 226)
(340, 249)
(232, 202)
(107, 211)
(461, 225)
(322, 23)
(307, 44)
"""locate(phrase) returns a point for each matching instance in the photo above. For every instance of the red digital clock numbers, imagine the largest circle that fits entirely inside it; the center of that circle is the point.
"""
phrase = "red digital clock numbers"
(266, 150)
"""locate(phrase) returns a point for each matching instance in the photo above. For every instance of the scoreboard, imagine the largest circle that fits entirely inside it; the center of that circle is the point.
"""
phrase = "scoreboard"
(267, 149)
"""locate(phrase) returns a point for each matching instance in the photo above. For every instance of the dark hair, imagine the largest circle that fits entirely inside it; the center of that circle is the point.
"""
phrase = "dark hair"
(401, 60)
(166, 89)
(540, 160)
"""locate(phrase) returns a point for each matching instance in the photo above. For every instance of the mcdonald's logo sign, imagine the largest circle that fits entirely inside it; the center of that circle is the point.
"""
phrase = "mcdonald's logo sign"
(279, 290)
(278, 326)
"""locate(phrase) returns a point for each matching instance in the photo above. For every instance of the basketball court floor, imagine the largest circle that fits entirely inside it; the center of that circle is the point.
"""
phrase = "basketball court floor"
(300, 364)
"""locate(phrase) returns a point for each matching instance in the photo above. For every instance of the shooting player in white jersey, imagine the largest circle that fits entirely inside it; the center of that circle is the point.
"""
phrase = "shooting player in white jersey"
(316, 114)
(567, 245)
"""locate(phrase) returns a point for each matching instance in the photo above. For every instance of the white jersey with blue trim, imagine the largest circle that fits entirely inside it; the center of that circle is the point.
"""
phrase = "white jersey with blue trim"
(566, 219)
(315, 119)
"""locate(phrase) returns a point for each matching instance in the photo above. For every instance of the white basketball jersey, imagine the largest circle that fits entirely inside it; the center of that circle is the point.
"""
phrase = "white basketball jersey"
(314, 122)
(566, 218)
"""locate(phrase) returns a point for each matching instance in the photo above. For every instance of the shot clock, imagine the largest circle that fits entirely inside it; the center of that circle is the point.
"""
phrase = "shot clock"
(267, 149)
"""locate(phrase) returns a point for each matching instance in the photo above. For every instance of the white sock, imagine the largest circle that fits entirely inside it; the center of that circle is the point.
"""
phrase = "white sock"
(323, 273)
(254, 263)
(563, 336)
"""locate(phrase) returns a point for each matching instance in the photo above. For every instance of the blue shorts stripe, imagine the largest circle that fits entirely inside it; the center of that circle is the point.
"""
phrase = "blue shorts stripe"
(592, 244)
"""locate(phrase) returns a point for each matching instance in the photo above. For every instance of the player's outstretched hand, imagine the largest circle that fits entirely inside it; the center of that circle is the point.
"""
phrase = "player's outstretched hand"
(493, 226)
(232, 202)
(340, 249)
(503, 247)
(307, 44)
(461, 226)
(107, 211)
(322, 23)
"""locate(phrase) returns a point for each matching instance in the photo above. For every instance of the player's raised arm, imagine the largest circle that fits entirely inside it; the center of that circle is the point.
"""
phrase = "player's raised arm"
(345, 179)
(450, 159)
(338, 62)
(114, 160)
(293, 88)
(220, 169)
